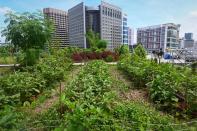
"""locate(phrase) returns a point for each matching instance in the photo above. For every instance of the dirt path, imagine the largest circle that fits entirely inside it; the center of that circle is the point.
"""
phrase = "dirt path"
(132, 93)
(55, 95)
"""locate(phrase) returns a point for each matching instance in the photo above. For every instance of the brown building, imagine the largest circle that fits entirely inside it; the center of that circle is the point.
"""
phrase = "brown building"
(60, 21)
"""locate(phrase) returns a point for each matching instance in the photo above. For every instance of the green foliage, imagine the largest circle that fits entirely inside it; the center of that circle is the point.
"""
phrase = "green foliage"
(27, 30)
(89, 103)
(102, 44)
(109, 58)
(20, 87)
(173, 89)
(31, 57)
(123, 50)
(23, 86)
(140, 51)
(93, 39)
(9, 118)
(54, 67)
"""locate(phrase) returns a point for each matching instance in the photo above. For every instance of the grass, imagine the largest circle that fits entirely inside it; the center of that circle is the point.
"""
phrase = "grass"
(7, 60)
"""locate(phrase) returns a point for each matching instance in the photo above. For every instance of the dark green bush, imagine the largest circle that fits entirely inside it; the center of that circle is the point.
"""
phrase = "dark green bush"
(109, 58)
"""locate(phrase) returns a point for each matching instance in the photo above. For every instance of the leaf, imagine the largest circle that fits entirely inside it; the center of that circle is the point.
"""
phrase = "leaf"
(36, 90)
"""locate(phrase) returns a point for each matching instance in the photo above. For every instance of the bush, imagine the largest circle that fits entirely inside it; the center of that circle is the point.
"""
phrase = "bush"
(109, 58)
(89, 55)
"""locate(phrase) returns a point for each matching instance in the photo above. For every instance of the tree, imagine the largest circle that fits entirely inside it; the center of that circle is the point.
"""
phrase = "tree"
(102, 44)
(140, 51)
(93, 39)
(123, 50)
(27, 31)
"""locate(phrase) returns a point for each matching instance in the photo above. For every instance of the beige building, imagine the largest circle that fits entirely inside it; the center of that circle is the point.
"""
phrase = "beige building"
(60, 21)
(111, 24)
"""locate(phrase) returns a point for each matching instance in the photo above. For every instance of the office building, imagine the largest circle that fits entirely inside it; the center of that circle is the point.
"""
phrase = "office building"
(60, 21)
(165, 36)
(130, 36)
(124, 30)
(77, 28)
(92, 21)
(105, 20)
(111, 24)
(188, 40)
(189, 36)
(81, 19)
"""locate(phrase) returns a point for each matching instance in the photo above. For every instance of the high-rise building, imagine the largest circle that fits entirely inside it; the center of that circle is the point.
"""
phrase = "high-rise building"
(130, 36)
(188, 36)
(124, 30)
(165, 36)
(77, 28)
(188, 40)
(105, 20)
(60, 21)
(92, 21)
(111, 24)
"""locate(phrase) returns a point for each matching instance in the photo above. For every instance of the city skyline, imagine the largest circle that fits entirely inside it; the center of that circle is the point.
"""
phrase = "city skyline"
(141, 13)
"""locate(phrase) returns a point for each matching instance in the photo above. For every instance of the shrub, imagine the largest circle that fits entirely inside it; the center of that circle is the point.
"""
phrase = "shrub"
(109, 58)
(140, 51)
(77, 57)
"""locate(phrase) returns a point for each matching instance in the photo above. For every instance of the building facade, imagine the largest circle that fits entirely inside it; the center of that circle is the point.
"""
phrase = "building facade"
(111, 24)
(130, 36)
(105, 20)
(60, 22)
(165, 36)
(92, 21)
(188, 40)
(124, 30)
(77, 28)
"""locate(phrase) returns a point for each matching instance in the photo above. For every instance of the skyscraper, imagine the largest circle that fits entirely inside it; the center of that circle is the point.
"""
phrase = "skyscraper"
(77, 28)
(165, 36)
(124, 30)
(92, 21)
(130, 36)
(111, 24)
(105, 20)
(188, 36)
(60, 21)
(188, 40)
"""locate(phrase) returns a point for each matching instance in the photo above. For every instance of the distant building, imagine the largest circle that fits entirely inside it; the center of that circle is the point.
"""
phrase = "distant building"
(60, 21)
(189, 36)
(124, 30)
(130, 36)
(181, 43)
(77, 28)
(111, 24)
(164, 36)
(92, 20)
(105, 20)
(188, 40)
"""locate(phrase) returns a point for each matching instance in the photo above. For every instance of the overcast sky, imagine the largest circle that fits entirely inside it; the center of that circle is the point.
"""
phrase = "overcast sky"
(140, 12)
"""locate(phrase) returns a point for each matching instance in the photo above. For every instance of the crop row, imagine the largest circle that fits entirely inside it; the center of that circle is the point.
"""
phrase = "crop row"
(172, 88)
(89, 103)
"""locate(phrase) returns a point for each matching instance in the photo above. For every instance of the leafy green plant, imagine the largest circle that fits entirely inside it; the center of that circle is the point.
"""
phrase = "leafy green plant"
(170, 87)
(109, 58)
